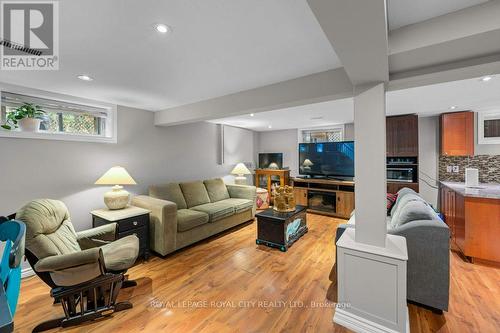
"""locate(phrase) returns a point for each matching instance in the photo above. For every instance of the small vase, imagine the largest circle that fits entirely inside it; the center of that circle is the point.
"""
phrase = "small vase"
(29, 124)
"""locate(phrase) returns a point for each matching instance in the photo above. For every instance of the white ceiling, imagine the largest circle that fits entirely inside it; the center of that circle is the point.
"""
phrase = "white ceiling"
(406, 12)
(216, 48)
(471, 94)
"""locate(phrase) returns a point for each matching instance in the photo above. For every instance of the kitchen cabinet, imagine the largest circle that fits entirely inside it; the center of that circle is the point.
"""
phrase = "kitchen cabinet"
(402, 135)
(474, 222)
(394, 187)
(457, 133)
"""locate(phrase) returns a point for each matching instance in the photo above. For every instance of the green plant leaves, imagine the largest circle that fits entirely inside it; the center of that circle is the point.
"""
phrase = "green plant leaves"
(27, 110)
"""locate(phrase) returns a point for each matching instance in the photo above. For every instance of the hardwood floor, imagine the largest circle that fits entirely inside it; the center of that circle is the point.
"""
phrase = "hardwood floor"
(229, 284)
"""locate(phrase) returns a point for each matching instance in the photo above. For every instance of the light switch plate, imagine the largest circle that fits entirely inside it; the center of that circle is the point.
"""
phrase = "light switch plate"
(449, 168)
(455, 168)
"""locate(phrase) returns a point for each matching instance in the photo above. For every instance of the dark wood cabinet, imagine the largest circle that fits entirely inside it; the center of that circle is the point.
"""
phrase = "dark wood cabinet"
(394, 187)
(457, 133)
(402, 135)
(402, 144)
(129, 221)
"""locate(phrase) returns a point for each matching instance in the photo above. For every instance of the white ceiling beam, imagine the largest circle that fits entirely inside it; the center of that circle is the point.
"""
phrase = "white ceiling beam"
(357, 30)
(446, 40)
(460, 24)
(455, 71)
(314, 88)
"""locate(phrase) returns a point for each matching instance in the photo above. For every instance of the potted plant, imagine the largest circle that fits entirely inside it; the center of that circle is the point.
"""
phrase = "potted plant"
(26, 117)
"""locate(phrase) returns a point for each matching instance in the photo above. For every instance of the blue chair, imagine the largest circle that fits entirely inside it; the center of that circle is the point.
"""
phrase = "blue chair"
(13, 233)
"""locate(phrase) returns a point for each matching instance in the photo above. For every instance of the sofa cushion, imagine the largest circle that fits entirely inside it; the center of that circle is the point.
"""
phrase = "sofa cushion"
(415, 210)
(188, 219)
(400, 195)
(401, 202)
(121, 253)
(170, 192)
(195, 193)
(216, 189)
(216, 210)
(240, 205)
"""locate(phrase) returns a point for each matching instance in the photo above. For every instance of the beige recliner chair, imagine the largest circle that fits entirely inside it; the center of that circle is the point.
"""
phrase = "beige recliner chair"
(85, 270)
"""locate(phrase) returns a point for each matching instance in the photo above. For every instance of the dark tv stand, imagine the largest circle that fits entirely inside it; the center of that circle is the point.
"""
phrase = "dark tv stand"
(325, 196)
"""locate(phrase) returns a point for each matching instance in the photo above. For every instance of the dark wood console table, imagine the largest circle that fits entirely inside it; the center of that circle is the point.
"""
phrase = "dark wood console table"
(325, 196)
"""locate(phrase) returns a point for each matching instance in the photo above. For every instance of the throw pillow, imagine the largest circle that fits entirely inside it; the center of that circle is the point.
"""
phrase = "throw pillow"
(391, 200)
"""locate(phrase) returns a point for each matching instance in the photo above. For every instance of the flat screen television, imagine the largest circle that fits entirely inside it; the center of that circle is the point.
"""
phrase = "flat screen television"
(271, 161)
(328, 159)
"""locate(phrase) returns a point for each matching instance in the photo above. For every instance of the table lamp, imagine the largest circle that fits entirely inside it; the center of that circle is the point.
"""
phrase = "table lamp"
(117, 198)
(307, 164)
(240, 170)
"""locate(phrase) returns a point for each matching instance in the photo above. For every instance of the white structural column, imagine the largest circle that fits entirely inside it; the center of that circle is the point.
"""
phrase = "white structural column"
(371, 265)
(370, 167)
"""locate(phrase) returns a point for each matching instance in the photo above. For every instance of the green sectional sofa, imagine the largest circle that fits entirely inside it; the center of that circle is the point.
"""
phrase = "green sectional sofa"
(185, 213)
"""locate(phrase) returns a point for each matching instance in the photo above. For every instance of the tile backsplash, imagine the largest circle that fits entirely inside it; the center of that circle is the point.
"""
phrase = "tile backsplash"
(488, 165)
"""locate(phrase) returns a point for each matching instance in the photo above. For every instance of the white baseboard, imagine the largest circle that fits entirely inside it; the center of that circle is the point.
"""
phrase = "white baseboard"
(27, 272)
(358, 324)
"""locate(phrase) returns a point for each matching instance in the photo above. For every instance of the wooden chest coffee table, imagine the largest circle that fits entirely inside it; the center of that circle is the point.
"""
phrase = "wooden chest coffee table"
(281, 230)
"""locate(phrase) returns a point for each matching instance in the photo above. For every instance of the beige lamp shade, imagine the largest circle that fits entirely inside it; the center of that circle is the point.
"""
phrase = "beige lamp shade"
(241, 169)
(307, 163)
(117, 198)
(117, 175)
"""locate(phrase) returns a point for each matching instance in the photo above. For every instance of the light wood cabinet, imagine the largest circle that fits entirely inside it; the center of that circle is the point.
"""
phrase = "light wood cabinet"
(329, 197)
(300, 196)
(345, 203)
(457, 133)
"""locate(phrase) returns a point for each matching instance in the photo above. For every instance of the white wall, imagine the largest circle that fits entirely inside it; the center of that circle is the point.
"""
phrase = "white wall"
(67, 170)
(286, 142)
(428, 154)
(349, 132)
(492, 149)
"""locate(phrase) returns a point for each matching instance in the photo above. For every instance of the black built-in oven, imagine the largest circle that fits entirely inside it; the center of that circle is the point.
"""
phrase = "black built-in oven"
(402, 169)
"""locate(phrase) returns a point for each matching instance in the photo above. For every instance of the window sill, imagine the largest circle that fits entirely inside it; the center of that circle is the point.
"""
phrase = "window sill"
(56, 136)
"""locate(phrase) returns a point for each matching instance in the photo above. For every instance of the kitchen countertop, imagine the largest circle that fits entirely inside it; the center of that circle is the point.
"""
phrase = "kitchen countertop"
(483, 190)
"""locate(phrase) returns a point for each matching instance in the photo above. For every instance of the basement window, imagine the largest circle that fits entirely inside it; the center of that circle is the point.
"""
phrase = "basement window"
(322, 135)
(62, 120)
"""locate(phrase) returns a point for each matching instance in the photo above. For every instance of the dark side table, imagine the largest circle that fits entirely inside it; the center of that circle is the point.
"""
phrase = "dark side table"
(130, 220)
(281, 230)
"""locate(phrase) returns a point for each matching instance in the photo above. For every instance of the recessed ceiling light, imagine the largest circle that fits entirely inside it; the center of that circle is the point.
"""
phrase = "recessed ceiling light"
(251, 115)
(453, 107)
(270, 126)
(84, 77)
(486, 78)
(162, 28)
